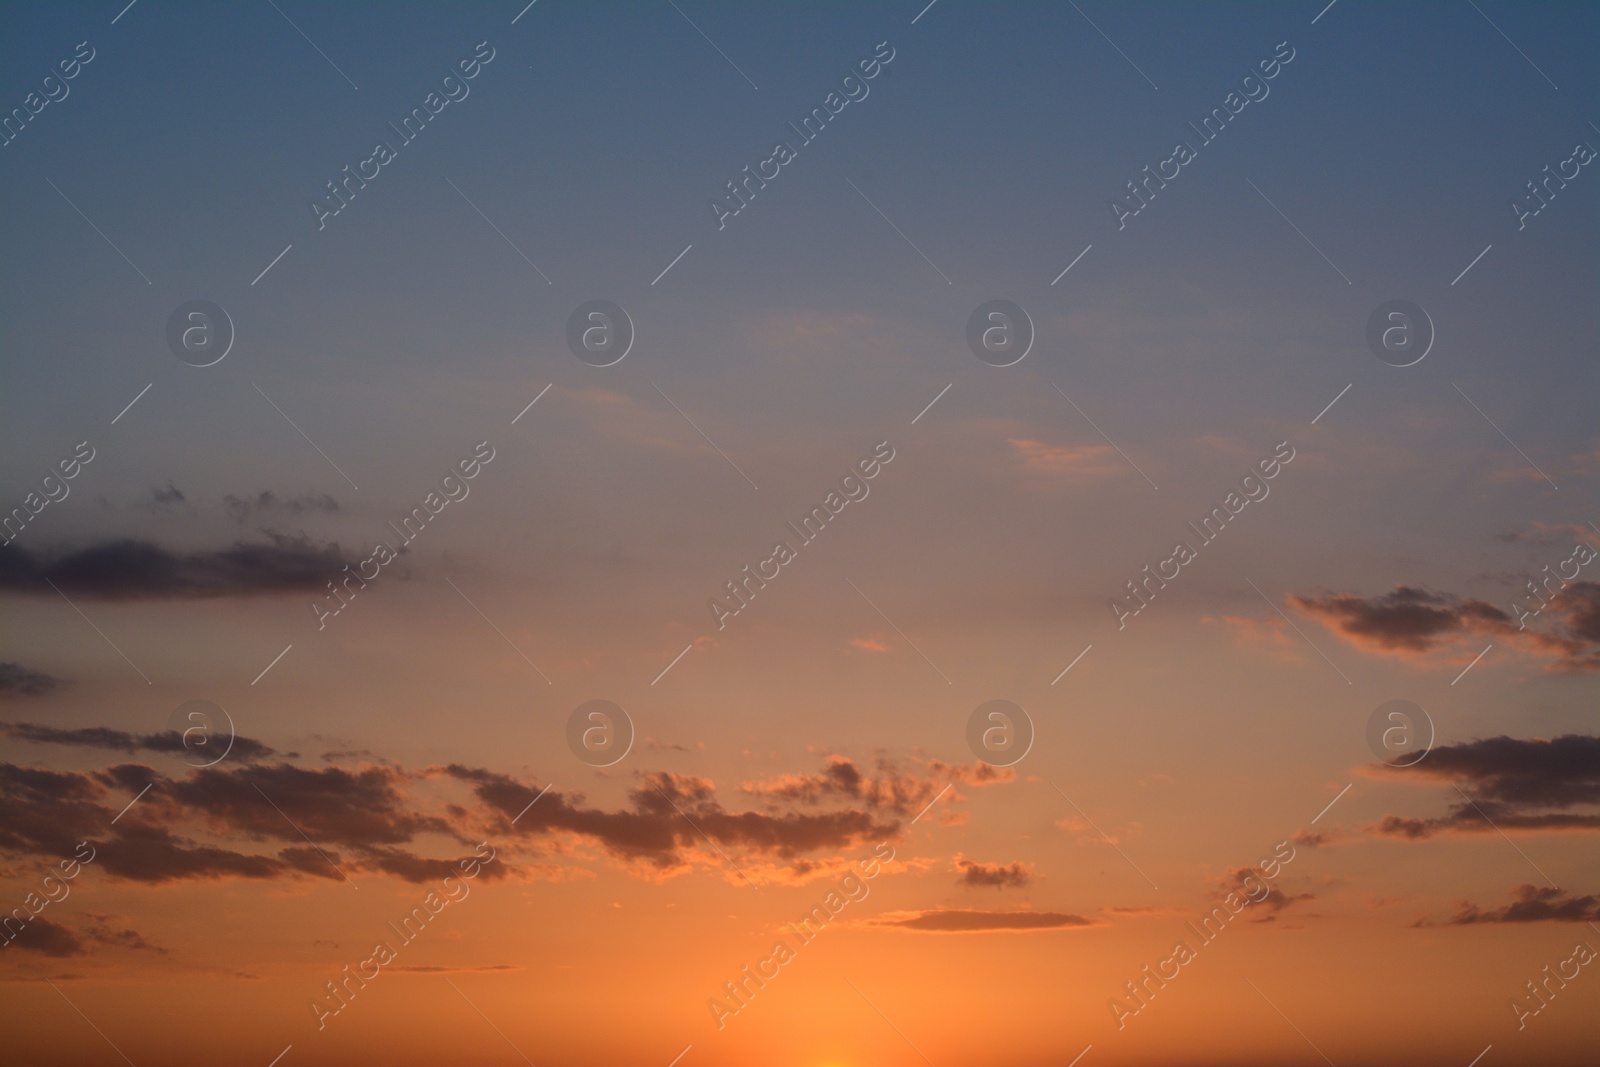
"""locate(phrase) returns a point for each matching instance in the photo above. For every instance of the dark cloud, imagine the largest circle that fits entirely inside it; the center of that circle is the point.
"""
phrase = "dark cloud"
(1406, 620)
(49, 812)
(48, 939)
(1415, 622)
(1484, 819)
(374, 818)
(361, 808)
(668, 809)
(349, 754)
(413, 868)
(961, 921)
(171, 496)
(140, 570)
(52, 939)
(1247, 883)
(669, 812)
(1530, 904)
(17, 680)
(1578, 641)
(838, 778)
(1509, 784)
(153, 854)
(316, 862)
(168, 741)
(269, 503)
(992, 875)
(886, 788)
(1559, 773)
(101, 932)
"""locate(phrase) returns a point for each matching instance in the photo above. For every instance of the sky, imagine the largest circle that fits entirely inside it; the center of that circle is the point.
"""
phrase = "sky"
(412, 643)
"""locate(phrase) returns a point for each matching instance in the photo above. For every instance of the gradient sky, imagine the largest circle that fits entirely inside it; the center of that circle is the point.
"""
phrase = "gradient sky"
(829, 717)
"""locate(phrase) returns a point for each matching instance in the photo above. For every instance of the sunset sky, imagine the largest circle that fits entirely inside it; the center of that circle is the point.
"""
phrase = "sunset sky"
(250, 721)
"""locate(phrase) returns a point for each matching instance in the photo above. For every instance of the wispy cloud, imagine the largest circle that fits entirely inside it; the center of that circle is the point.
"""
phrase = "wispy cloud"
(972, 921)
(142, 570)
(1091, 461)
(19, 681)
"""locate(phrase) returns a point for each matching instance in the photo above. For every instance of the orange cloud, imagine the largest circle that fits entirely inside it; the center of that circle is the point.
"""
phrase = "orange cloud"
(1270, 634)
(1087, 460)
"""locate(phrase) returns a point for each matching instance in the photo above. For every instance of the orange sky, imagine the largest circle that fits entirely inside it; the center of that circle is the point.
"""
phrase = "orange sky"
(815, 684)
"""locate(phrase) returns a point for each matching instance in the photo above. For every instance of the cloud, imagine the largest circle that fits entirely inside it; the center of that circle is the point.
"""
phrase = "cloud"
(48, 939)
(45, 809)
(620, 417)
(1468, 818)
(993, 875)
(168, 741)
(171, 496)
(50, 812)
(967, 921)
(886, 788)
(1530, 904)
(140, 570)
(459, 969)
(258, 820)
(1556, 773)
(279, 821)
(1087, 460)
(1142, 909)
(1405, 621)
(59, 942)
(668, 814)
(1319, 838)
(1245, 881)
(655, 745)
(1272, 634)
(269, 503)
(1413, 623)
(838, 807)
(19, 681)
(1545, 533)
(155, 855)
(1511, 784)
(364, 808)
(975, 773)
(350, 754)
(1085, 832)
(103, 934)
(1576, 643)
(872, 643)
(801, 329)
